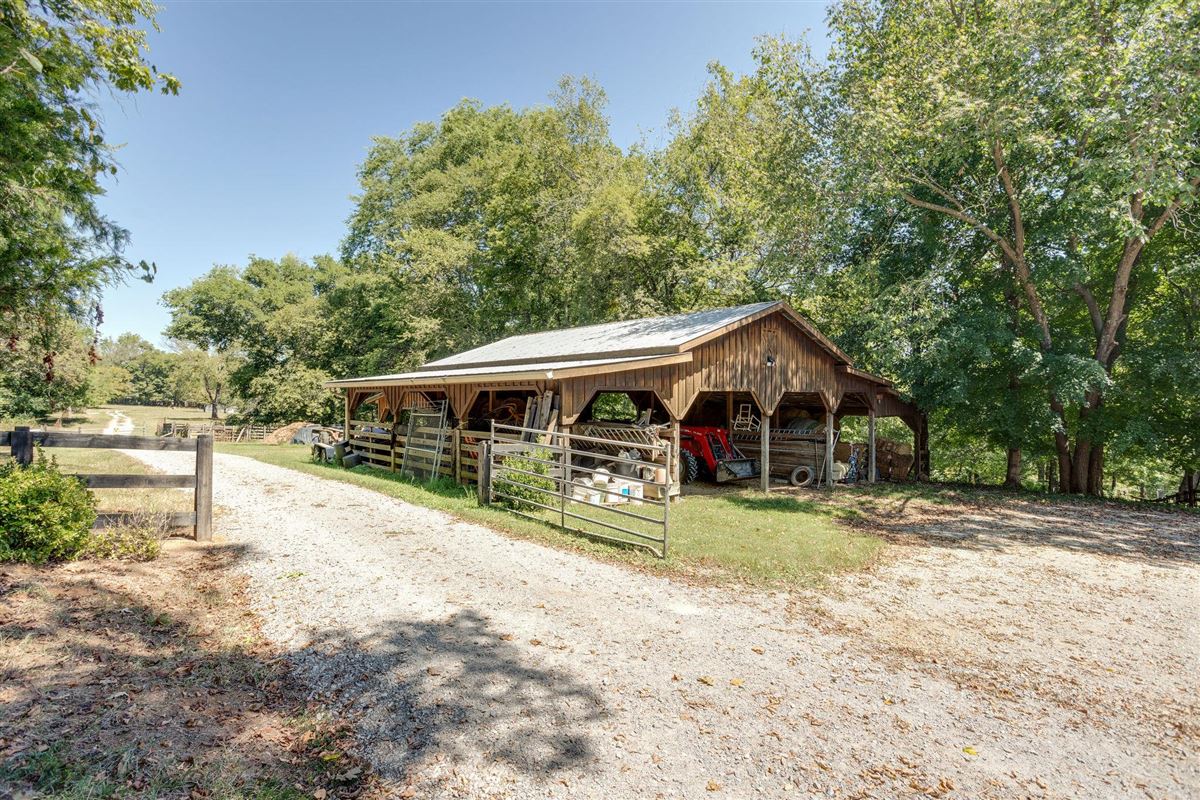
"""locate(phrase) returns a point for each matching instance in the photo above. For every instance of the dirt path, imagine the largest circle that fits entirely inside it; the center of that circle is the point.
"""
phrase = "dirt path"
(118, 423)
(984, 663)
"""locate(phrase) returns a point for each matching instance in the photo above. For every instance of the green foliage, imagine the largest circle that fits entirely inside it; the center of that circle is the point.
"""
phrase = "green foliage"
(290, 393)
(124, 543)
(44, 514)
(992, 204)
(56, 248)
(614, 406)
(48, 370)
(523, 490)
(1028, 156)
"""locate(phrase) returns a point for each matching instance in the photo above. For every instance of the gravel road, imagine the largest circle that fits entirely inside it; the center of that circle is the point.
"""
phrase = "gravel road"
(984, 660)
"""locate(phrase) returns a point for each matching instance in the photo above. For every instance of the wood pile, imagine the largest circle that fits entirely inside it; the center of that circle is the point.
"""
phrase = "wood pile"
(894, 460)
(790, 450)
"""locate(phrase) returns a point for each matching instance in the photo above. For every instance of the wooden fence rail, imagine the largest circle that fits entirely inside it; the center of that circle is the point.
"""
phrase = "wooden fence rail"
(377, 447)
(22, 440)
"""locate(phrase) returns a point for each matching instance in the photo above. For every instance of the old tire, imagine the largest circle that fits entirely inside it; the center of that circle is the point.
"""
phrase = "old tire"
(689, 466)
(802, 476)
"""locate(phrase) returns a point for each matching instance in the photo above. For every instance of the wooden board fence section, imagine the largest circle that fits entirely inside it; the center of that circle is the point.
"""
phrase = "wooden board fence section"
(377, 447)
(22, 440)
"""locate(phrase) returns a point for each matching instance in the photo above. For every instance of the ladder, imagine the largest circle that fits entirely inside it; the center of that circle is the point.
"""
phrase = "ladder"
(431, 416)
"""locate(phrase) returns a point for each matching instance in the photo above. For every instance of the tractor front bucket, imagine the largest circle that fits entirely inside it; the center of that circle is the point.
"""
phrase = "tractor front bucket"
(736, 469)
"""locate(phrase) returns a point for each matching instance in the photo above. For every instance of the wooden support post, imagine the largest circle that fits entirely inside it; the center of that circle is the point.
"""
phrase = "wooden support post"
(871, 446)
(829, 449)
(456, 458)
(674, 449)
(22, 445)
(764, 451)
(346, 417)
(484, 473)
(204, 487)
(729, 411)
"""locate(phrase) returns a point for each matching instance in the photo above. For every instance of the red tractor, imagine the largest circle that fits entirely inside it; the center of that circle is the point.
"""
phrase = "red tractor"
(708, 449)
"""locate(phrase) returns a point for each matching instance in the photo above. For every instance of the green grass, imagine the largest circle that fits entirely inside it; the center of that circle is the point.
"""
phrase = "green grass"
(741, 535)
(94, 420)
(97, 461)
(146, 419)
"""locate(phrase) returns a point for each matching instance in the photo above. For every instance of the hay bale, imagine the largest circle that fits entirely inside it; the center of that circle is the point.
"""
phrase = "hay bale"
(284, 435)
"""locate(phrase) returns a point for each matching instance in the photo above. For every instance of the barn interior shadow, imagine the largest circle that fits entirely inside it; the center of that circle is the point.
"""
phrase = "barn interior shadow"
(441, 692)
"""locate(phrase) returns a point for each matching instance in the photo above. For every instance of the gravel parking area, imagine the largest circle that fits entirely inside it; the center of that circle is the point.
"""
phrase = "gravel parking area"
(1008, 651)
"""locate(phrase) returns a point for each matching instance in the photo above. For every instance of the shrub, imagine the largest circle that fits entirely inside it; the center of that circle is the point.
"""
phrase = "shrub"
(44, 514)
(524, 488)
(124, 543)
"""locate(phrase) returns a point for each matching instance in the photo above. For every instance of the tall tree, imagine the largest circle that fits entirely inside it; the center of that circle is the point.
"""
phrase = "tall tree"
(56, 248)
(1067, 135)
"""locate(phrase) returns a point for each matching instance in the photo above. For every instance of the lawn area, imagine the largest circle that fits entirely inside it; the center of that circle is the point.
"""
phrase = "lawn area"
(94, 420)
(147, 418)
(740, 535)
(111, 462)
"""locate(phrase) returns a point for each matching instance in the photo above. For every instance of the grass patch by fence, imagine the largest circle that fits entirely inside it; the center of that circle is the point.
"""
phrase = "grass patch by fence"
(742, 535)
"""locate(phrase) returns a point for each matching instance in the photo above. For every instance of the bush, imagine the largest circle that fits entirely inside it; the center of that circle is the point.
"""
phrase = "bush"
(125, 543)
(44, 514)
(524, 488)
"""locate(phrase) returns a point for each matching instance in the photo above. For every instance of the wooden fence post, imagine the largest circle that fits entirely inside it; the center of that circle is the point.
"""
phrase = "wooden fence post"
(456, 444)
(22, 446)
(204, 478)
(484, 473)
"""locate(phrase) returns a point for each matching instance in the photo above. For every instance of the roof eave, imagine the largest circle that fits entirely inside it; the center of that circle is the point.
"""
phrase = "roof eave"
(434, 379)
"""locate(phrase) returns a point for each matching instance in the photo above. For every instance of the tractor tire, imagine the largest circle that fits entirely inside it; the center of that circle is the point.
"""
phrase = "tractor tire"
(802, 476)
(689, 466)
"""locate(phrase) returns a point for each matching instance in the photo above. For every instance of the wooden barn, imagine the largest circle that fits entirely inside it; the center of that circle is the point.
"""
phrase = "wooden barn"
(763, 363)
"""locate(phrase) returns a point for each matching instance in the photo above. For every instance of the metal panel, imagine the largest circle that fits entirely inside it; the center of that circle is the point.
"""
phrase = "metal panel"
(554, 480)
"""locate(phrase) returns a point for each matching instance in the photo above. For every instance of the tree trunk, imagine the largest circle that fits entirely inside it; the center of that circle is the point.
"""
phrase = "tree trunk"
(1063, 449)
(1051, 479)
(1012, 477)
(1096, 471)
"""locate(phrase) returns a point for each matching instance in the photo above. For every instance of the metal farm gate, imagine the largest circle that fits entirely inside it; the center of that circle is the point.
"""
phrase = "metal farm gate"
(600, 488)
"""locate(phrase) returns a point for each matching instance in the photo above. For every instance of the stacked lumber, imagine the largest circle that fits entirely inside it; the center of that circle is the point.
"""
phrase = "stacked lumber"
(894, 460)
(789, 450)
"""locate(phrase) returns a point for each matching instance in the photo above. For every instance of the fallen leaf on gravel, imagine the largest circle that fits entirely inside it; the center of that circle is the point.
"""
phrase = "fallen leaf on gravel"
(713, 786)
(508, 637)
(706, 680)
(757, 650)
(736, 682)
(675, 677)
(971, 751)
(535, 642)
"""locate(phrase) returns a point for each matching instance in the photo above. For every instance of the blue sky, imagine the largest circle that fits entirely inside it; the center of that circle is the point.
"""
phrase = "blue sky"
(280, 100)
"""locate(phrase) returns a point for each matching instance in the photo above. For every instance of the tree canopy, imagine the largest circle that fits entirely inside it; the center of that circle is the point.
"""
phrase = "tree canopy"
(56, 248)
(993, 203)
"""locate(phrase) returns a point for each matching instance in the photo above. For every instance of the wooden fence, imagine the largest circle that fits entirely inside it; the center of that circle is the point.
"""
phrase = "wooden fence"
(378, 447)
(220, 433)
(22, 441)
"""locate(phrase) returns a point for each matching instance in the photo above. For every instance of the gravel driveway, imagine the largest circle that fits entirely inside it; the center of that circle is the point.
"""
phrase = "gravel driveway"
(984, 661)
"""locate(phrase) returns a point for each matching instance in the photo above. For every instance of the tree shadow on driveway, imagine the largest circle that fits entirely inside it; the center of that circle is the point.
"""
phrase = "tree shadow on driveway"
(433, 695)
(1147, 535)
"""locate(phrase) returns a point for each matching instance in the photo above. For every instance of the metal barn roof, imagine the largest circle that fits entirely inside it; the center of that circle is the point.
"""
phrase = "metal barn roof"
(627, 344)
(616, 339)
